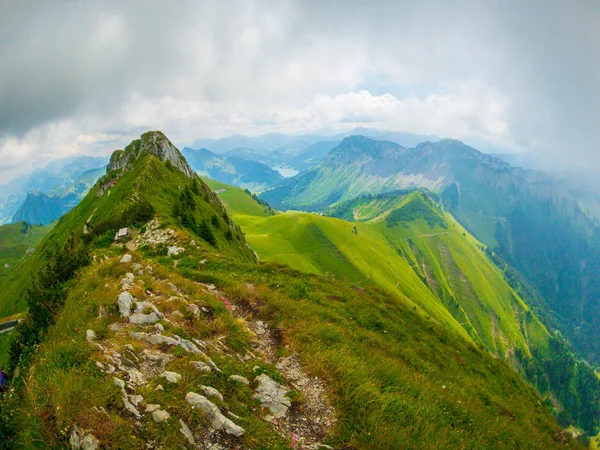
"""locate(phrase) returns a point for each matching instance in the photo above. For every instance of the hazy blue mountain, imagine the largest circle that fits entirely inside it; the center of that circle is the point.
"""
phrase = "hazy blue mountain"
(57, 178)
(234, 170)
(298, 152)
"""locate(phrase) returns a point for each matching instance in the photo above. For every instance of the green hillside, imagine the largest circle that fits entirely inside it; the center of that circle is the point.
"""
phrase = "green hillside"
(15, 240)
(415, 250)
(353, 365)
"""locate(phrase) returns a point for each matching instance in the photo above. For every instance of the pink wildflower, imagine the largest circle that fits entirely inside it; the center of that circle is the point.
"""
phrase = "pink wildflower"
(227, 304)
(294, 440)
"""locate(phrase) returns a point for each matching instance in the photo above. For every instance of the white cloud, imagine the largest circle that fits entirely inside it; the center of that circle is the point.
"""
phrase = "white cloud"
(86, 76)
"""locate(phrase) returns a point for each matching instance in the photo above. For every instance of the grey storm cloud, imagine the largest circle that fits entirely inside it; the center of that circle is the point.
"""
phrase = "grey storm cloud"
(76, 60)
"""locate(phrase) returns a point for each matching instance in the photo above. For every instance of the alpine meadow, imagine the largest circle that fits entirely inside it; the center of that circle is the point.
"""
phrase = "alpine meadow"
(382, 230)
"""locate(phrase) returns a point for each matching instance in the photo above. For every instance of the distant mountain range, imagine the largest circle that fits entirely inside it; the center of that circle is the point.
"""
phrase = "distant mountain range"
(231, 169)
(298, 152)
(532, 220)
(49, 191)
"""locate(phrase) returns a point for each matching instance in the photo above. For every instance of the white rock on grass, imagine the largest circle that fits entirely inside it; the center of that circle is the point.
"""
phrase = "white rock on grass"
(239, 379)
(126, 259)
(90, 335)
(211, 392)
(160, 416)
(152, 407)
(172, 377)
(87, 442)
(144, 319)
(125, 301)
(201, 366)
(154, 339)
(271, 395)
(185, 430)
(174, 251)
(217, 420)
(126, 403)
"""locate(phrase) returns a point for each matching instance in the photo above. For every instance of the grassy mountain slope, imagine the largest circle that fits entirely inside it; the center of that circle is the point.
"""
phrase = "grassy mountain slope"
(410, 247)
(104, 210)
(532, 220)
(15, 240)
(427, 261)
(394, 378)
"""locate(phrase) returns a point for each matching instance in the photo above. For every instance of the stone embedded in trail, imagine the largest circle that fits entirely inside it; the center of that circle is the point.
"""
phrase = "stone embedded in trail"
(160, 416)
(126, 259)
(201, 366)
(126, 403)
(271, 395)
(185, 430)
(144, 319)
(211, 392)
(239, 379)
(217, 420)
(172, 377)
(125, 302)
(154, 339)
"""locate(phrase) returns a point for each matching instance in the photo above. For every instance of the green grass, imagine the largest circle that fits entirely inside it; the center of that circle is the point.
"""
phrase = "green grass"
(396, 379)
(149, 179)
(421, 256)
(363, 314)
(237, 199)
(15, 240)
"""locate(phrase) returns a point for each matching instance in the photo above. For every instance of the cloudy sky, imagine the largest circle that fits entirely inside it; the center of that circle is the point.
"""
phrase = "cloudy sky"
(87, 77)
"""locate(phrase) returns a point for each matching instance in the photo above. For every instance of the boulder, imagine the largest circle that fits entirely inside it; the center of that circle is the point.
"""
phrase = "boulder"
(271, 395)
(185, 430)
(152, 407)
(90, 335)
(160, 416)
(143, 319)
(217, 420)
(122, 235)
(154, 339)
(211, 392)
(126, 259)
(125, 302)
(172, 377)
(201, 366)
(174, 251)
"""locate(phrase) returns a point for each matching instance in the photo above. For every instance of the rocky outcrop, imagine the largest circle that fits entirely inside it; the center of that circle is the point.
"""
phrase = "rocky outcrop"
(154, 143)
(272, 395)
(217, 420)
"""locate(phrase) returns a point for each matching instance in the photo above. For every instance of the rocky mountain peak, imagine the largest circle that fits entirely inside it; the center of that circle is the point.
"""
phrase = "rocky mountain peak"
(154, 143)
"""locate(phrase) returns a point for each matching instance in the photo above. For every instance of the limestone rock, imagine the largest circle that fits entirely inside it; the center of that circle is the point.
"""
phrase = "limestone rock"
(160, 416)
(201, 366)
(125, 302)
(144, 319)
(211, 392)
(126, 259)
(217, 420)
(90, 335)
(174, 251)
(152, 407)
(271, 395)
(172, 377)
(185, 430)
